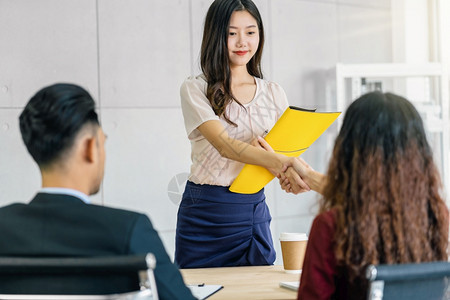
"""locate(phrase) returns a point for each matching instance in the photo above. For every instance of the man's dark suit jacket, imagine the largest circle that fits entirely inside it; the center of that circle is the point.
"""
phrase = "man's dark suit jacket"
(63, 225)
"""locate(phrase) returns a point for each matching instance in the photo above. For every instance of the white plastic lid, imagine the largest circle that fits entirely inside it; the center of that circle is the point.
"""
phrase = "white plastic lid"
(290, 236)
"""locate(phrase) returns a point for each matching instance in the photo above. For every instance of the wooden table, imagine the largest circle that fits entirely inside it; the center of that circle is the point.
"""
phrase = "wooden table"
(261, 282)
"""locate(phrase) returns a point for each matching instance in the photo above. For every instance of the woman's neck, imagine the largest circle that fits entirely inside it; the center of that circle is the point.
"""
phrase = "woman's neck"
(243, 85)
(239, 75)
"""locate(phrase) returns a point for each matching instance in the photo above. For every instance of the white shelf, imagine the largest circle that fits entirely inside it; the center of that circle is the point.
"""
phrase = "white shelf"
(389, 70)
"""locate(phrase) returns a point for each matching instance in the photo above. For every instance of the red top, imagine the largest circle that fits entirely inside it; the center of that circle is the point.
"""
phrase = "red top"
(319, 266)
(321, 277)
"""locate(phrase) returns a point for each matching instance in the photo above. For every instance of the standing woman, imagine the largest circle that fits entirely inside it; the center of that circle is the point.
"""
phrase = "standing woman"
(225, 110)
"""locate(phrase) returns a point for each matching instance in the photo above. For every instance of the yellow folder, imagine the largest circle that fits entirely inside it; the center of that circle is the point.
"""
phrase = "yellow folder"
(293, 133)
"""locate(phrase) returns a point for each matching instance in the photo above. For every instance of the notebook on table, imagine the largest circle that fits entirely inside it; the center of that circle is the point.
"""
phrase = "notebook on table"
(203, 291)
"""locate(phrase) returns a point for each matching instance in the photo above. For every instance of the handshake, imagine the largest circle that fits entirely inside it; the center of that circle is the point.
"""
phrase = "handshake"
(295, 174)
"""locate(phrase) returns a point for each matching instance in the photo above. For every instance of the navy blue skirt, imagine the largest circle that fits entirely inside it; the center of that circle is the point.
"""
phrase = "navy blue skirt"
(218, 228)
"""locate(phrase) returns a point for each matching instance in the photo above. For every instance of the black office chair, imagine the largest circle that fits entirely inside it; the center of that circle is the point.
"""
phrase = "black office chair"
(112, 277)
(424, 281)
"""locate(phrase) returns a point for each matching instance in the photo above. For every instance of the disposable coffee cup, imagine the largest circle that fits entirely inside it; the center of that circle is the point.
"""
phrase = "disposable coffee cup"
(293, 246)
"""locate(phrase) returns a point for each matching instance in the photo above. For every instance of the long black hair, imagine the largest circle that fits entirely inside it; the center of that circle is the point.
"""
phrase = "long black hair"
(384, 188)
(214, 58)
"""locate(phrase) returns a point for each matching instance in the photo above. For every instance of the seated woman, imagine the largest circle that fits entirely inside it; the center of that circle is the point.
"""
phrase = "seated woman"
(381, 199)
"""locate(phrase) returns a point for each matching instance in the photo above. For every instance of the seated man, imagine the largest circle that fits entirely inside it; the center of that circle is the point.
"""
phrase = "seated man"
(62, 133)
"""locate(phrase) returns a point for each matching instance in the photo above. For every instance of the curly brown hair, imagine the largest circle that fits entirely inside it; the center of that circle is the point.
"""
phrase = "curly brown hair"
(384, 188)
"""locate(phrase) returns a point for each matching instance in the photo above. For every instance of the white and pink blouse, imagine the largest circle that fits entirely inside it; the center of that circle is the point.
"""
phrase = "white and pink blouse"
(256, 118)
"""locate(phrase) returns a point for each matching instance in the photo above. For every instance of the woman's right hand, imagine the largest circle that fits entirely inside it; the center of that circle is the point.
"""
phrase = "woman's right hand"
(291, 182)
(298, 185)
(292, 176)
(261, 143)
(298, 172)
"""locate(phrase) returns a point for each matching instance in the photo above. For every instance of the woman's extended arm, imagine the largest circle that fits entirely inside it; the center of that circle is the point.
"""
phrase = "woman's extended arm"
(240, 151)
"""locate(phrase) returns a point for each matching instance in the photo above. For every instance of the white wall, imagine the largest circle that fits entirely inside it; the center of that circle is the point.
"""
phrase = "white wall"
(133, 55)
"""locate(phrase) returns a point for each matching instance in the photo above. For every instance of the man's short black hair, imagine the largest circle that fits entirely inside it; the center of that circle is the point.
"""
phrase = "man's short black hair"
(52, 118)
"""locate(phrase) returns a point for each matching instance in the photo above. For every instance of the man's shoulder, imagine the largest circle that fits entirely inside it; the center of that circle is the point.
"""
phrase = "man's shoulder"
(12, 206)
(69, 207)
(55, 200)
(115, 211)
(69, 204)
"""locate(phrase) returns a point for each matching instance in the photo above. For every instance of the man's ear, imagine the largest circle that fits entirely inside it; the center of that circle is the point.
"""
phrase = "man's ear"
(90, 148)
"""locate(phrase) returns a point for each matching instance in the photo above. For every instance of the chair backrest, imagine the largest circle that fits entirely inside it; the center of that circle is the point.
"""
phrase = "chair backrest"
(428, 281)
(95, 275)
